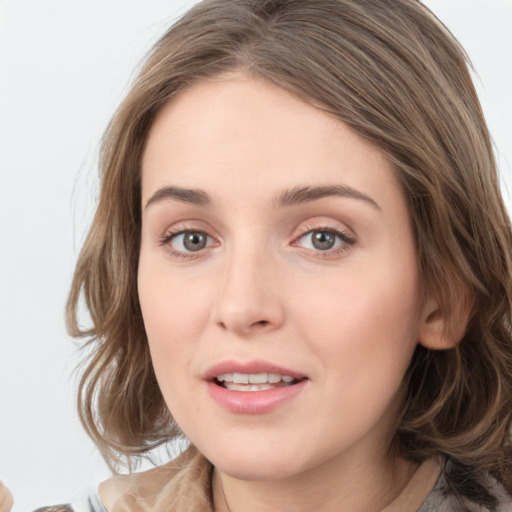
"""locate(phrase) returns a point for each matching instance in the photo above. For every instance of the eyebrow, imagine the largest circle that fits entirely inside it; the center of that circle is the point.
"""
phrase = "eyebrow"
(294, 196)
(185, 195)
(299, 195)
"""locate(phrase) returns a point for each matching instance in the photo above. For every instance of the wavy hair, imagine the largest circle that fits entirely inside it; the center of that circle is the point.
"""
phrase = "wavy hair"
(395, 75)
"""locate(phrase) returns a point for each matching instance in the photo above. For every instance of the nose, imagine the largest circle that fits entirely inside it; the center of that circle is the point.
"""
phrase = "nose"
(249, 297)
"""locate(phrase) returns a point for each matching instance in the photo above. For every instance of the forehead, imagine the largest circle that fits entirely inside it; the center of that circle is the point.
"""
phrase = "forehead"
(245, 134)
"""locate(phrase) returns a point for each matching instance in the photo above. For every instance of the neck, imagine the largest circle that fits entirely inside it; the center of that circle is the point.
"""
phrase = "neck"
(357, 487)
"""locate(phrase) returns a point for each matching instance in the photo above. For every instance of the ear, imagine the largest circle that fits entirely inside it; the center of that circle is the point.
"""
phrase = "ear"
(443, 330)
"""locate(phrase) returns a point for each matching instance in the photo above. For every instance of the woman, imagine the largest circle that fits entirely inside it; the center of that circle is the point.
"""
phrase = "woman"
(301, 262)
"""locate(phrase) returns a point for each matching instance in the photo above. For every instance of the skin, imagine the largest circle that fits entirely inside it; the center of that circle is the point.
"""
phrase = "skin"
(348, 318)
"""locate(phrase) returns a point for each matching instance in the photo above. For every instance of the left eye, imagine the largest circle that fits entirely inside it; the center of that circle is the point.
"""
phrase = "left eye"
(322, 240)
(190, 241)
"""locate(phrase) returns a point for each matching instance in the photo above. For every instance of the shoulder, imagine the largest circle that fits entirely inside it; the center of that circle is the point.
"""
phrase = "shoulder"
(187, 474)
(443, 498)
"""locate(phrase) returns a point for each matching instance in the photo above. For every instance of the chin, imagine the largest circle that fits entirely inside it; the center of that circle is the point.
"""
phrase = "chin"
(256, 470)
(257, 461)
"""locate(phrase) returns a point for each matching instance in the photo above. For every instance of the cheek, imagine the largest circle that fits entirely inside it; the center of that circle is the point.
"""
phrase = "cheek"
(364, 323)
(363, 334)
(174, 317)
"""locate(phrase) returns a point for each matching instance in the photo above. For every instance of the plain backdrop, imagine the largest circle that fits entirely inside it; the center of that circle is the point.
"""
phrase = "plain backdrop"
(64, 67)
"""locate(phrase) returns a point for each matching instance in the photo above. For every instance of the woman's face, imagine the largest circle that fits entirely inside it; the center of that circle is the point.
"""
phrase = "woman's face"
(276, 249)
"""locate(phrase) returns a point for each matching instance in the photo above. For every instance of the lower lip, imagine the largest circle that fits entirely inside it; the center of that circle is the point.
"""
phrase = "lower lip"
(254, 402)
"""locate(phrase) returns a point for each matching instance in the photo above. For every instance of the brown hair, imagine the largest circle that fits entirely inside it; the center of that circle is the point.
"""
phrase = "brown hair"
(394, 74)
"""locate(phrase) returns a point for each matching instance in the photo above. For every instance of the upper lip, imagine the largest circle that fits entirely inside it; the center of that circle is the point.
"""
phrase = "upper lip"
(249, 367)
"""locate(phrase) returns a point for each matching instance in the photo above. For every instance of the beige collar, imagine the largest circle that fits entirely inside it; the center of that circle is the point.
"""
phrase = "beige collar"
(5, 498)
(185, 479)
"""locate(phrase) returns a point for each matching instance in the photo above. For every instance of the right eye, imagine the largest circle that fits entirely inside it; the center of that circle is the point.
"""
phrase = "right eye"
(189, 241)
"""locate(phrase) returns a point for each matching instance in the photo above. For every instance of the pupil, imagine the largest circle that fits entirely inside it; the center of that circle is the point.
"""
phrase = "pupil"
(323, 240)
(194, 241)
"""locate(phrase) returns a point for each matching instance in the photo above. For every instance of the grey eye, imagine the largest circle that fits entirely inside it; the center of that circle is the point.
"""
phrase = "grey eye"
(323, 240)
(194, 241)
(190, 241)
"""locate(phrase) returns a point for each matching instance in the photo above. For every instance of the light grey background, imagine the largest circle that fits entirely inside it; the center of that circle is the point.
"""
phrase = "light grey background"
(64, 66)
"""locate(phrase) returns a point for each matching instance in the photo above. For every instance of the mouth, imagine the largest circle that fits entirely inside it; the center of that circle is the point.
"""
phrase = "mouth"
(255, 387)
(250, 382)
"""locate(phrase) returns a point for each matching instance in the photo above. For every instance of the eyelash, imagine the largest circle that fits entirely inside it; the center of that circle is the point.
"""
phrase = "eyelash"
(169, 236)
(347, 241)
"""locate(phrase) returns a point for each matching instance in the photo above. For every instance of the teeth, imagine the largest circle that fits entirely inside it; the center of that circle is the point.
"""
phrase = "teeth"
(252, 387)
(258, 378)
(253, 378)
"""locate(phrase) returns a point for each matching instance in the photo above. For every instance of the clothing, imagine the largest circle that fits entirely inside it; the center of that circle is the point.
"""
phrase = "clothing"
(87, 503)
(187, 479)
(90, 503)
(159, 489)
(5, 498)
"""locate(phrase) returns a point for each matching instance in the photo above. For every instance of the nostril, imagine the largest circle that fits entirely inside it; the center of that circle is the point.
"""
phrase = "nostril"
(261, 322)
